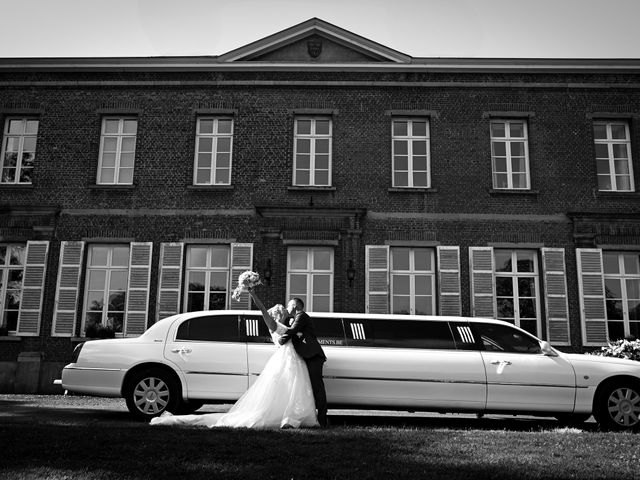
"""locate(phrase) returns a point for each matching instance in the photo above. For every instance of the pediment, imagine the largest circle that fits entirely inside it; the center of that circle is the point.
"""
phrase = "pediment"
(315, 41)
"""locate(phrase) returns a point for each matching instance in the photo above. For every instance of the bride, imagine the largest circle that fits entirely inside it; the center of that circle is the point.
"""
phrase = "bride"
(281, 397)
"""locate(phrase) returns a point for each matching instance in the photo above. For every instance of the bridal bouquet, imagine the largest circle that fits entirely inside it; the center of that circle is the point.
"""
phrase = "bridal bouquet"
(246, 280)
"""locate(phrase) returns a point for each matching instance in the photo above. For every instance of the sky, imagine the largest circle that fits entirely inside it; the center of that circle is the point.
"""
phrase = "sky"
(419, 28)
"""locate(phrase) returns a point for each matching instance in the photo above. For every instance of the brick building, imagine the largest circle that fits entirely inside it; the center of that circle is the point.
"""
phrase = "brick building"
(346, 173)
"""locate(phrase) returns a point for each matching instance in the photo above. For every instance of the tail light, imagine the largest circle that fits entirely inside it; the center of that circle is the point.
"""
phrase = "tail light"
(76, 352)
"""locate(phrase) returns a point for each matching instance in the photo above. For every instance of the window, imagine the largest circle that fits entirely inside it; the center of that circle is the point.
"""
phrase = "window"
(12, 259)
(622, 290)
(211, 328)
(613, 156)
(106, 287)
(510, 154)
(207, 277)
(517, 287)
(18, 150)
(500, 338)
(312, 152)
(412, 334)
(310, 277)
(412, 281)
(117, 151)
(214, 138)
(328, 330)
(410, 150)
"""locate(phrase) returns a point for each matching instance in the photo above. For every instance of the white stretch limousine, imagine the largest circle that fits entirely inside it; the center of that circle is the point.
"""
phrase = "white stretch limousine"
(441, 364)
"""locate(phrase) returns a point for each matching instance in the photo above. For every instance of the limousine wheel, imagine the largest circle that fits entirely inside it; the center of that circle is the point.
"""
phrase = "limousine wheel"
(619, 407)
(151, 392)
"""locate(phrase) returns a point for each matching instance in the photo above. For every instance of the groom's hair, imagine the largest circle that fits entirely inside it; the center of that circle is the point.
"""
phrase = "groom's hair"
(299, 303)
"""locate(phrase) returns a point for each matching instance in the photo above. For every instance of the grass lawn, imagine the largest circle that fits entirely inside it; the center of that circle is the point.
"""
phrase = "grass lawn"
(114, 447)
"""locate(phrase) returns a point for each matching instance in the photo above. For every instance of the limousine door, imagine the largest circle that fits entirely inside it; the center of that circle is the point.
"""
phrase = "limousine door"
(403, 363)
(260, 346)
(519, 376)
(211, 355)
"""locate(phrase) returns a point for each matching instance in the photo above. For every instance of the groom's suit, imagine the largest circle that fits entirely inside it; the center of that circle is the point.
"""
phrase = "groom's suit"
(309, 349)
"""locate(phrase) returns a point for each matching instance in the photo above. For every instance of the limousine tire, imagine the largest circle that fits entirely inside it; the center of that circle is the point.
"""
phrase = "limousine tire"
(150, 392)
(618, 406)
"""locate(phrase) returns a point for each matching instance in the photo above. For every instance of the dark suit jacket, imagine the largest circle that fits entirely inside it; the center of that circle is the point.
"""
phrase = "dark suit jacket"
(306, 345)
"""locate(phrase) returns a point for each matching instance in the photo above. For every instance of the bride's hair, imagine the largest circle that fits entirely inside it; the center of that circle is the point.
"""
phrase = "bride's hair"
(277, 312)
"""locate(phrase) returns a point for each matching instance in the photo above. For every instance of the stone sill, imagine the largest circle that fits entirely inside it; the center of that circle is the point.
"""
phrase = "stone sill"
(310, 188)
(505, 191)
(210, 188)
(621, 195)
(412, 190)
(112, 187)
(10, 338)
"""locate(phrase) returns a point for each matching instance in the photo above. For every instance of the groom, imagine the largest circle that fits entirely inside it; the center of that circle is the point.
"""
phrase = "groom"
(304, 339)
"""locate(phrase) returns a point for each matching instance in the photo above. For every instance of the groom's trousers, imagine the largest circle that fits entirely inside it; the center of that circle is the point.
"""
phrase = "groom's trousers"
(314, 365)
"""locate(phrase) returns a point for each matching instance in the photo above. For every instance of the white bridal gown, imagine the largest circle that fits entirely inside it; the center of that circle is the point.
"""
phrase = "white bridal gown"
(280, 397)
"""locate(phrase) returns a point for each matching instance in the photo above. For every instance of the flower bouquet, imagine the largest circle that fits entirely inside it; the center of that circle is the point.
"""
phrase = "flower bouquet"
(622, 349)
(246, 281)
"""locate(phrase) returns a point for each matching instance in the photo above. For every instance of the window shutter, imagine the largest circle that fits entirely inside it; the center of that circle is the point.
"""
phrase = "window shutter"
(241, 261)
(33, 288)
(483, 297)
(592, 296)
(170, 280)
(449, 280)
(68, 289)
(555, 298)
(138, 288)
(377, 278)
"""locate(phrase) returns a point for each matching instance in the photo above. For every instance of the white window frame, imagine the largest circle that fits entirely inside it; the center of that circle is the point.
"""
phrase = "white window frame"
(206, 269)
(20, 137)
(412, 273)
(4, 280)
(309, 273)
(410, 138)
(508, 140)
(215, 136)
(109, 268)
(610, 142)
(313, 137)
(621, 276)
(119, 136)
(515, 275)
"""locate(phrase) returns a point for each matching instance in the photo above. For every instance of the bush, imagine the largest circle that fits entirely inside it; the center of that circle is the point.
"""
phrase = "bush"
(622, 349)
(97, 330)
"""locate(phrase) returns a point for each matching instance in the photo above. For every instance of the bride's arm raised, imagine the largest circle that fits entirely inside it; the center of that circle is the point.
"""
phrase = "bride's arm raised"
(271, 324)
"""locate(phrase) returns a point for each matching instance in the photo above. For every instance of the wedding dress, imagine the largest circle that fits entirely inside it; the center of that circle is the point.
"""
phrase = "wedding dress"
(280, 397)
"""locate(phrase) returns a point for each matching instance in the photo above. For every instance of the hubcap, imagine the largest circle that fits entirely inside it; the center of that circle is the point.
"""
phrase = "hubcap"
(151, 395)
(624, 407)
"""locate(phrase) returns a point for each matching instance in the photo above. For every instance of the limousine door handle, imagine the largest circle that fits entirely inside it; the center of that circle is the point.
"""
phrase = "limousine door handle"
(503, 362)
(181, 350)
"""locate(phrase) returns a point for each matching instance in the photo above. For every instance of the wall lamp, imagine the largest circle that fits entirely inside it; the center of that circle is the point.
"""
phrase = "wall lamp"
(351, 273)
(266, 273)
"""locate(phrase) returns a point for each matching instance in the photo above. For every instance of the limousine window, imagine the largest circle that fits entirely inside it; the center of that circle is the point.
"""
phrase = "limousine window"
(254, 329)
(358, 333)
(463, 336)
(412, 334)
(210, 328)
(328, 330)
(501, 338)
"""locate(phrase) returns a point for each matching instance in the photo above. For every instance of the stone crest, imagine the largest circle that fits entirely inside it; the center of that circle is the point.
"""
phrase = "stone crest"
(314, 47)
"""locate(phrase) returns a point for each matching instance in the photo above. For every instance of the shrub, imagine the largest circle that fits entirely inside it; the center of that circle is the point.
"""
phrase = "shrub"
(622, 349)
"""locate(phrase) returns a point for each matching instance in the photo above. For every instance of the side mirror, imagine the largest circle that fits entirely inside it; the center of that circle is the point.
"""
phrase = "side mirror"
(547, 349)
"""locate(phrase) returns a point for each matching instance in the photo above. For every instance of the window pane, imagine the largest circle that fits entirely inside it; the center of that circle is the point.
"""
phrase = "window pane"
(126, 160)
(400, 147)
(401, 179)
(203, 176)
(126, 176)
(99, 256)
(619, 150)
(97, 279)
(322, 145)
(623, 183)
(618, 132)
(400, 129)
(218, 282)
(422, 259)
(322, 162)
(499, 149)
(219, 257)
(400, 258)
(321, 284)
(517, 130)
(504, 287)
(610, 262)
(525, 261)
(505, 308)
(321, 304)
(401, 163)
(420, 179)
(321, 260)
(298, 285)
(420, 129)
(205, 144)
(621, 167)
(107, 175)
(111, 126)
(298, 259)
(303, 127)
(419, 147)
(198, 257)
(503, 261)
(631, 266)
(223, 176)
(423, 306)
(401, 284)
(108, 160)
(322, 127)
(526, 287)
(130, 126)
(302, 177)
(498, 129)
(206, 126)
(224, 144)
(603, 166)
(120, 256)
(225, 126)
(118, 280)
(602, 150)
(195, 302)
(32, 127)
(600, 132)
(322, 178)
(604, 182)
(16, 127)
(401, 304)
(423, 285)
(517, 149)
(613, 288)
(197, 281)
